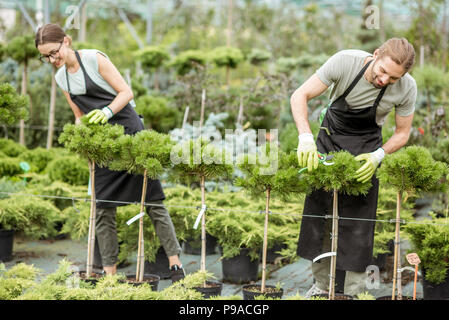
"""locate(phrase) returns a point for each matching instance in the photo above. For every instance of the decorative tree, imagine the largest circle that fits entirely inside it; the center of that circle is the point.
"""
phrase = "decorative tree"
(198, 159)
(260, 179)
(152, 58)
(227, 57)
(99, 144)
(22, 49)
(157, 113)
(337, 176)
(148, 153)
(12, 106)
(411, 170)
(188, 60)
(258, 56)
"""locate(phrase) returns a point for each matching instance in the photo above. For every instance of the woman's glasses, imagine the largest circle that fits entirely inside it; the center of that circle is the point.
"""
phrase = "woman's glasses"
(46, 58)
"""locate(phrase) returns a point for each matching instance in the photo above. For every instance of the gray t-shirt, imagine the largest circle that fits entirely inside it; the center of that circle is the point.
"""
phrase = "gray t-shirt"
(341, 69)
(77, 83)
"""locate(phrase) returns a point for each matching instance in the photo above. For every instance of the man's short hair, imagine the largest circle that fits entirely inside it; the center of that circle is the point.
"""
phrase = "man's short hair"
(400, 51)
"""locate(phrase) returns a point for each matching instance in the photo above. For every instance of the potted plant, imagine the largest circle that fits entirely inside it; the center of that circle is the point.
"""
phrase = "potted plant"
(98, 144)
(202, 160)
(148, 153)
(337, 176)
(282, 182)
(411, 170)
(430, 240)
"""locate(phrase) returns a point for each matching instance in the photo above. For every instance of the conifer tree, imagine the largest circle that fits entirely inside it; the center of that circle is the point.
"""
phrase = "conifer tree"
(411, 170)
(12, 105)
(99, 145)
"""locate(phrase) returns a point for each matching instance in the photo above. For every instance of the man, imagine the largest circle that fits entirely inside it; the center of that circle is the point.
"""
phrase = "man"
(365, 89)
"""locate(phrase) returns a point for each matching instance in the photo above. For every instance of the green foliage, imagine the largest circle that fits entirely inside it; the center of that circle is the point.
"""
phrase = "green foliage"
(76, 220)
(31, 216)
(12, 105)
(146, 150)
(157, 113)
(152, 57)
(259, 56)
(10, 185)
(22, 48)
(198, 157)
(38, 158)
(339, 176)
(441, 151)
(16, 280)
(226, 57)
(413, 170)
(287, 65)
(11, 148)
(94, 142)
(260, 177)
(431, 79)
(365, 296)
(188, 60)
(430, 240)
(9, 167)
(69, 169)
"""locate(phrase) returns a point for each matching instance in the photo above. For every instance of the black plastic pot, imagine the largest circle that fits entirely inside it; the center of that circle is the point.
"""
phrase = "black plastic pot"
(151, 279)
(272, 254)
(396, 298)
(380, 261)
(251, 291)
(240, 269)
(92, 280)
(6, 245)
(160, 266)
(213, 288)
(337, 296)
(433, 291)
(194, 246)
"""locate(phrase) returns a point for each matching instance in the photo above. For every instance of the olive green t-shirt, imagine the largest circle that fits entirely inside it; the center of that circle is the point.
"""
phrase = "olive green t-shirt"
(342, 68)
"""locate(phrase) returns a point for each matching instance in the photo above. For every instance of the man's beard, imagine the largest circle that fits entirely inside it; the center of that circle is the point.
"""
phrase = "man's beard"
(374, 77)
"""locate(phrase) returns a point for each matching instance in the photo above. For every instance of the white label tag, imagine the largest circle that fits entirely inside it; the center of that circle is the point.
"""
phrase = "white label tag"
(203, 209)
(324, 255)
(135, 218)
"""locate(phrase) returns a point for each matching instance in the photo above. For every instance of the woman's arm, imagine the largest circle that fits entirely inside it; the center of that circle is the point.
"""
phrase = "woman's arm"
(76, 111)
(112, 76)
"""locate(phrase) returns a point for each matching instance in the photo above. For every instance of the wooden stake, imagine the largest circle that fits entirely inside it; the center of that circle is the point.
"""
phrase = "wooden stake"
(141, 246)
(203, 227)
(265, 241)
(414, 282)
(396, 244)
(92, 221)
(334, 246)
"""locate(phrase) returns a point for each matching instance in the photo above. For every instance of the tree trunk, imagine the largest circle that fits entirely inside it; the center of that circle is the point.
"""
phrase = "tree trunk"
(265, 242)
(51, 115)
(334, 246)
(92, 221)
(141, 245)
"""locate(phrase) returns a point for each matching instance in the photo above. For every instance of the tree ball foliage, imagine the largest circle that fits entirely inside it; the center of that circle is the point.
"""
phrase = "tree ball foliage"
(22, 48)
(69, 169)
(188, 60)
(94, 142)
(12, 105)
(413, 170)
(259, 56)
(227, 56)
(157, 113)
(152, 57)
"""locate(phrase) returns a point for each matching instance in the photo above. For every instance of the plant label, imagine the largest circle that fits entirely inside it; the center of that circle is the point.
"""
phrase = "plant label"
(413, 259)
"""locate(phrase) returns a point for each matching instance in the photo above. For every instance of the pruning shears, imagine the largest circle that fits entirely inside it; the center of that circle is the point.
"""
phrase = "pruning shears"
(322, 158)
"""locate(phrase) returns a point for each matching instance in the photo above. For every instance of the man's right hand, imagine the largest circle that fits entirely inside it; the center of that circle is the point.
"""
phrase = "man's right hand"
(307, 152)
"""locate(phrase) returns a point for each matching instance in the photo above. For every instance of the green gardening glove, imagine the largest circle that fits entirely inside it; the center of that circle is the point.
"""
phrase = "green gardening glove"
(307, 152)
(99, 116)
(373, 159)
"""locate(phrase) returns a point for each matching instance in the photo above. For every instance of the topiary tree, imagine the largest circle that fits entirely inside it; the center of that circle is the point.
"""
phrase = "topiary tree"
(148, 153)
(198, 159)
(411, 170)
(99, 145)
(12, 106)
(22, 49)
(157, 113)
(337, 174)
(152, 59)
(258, 56)
(188, 60)
(228, 57)
(259, 180)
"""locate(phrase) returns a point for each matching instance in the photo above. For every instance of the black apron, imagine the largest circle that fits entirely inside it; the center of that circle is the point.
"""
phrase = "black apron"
(114, 185)
(356, 131)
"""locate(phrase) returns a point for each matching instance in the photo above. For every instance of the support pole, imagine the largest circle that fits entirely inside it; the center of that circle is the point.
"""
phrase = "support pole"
(397, 263)
(92, 222)
(141, 245)
(265, 242)
(334, 246)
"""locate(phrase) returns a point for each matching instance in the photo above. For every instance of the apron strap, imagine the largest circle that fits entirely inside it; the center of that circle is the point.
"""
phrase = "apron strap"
(82, 67)
(67, 79)
(356, 80)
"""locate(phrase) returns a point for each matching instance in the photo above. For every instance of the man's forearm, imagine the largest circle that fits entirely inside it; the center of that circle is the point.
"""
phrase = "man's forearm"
(298, 102)
(397, 141)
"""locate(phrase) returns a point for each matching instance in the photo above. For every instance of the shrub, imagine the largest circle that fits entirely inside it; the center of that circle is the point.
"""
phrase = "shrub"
(9, 167)
(69, 169)
(11, 148)
(37, 158)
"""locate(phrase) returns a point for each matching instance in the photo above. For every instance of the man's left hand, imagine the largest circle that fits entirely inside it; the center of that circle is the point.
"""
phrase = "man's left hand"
(373, 159)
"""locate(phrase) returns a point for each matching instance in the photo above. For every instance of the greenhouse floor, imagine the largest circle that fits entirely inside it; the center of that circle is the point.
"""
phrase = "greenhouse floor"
(294, 278)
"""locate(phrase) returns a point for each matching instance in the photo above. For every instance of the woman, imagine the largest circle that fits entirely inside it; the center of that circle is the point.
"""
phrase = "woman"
(93, 86)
